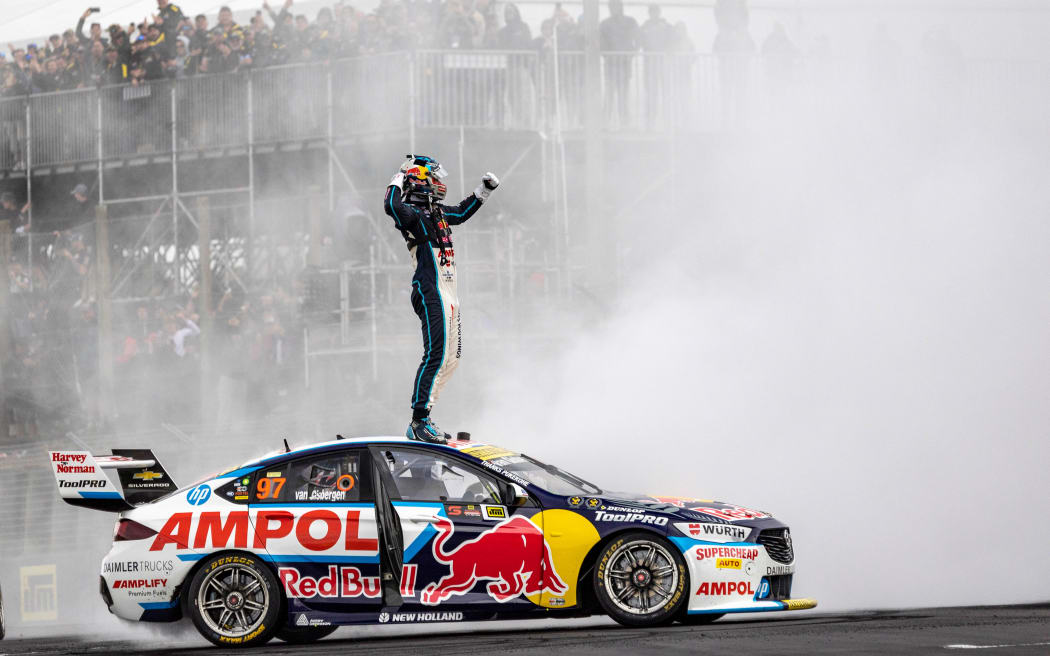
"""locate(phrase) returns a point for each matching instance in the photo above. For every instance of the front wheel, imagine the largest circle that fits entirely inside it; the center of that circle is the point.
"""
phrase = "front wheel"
(234, 600)
(301, 635)
(641, 580)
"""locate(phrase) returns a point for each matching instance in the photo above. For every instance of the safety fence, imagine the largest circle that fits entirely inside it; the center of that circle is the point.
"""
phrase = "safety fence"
(393, 92)
(396, 92)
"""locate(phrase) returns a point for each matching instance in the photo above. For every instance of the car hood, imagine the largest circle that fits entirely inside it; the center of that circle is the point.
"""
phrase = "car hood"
(691, 509)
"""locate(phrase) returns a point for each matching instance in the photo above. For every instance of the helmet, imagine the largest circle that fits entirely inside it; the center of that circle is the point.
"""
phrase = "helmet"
(424, 179)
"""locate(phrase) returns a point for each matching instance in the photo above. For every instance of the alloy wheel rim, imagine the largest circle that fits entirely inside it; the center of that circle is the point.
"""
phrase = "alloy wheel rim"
(641, 577)
(233, 600)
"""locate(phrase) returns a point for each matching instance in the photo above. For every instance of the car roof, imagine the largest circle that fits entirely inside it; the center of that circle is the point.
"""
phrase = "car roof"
(467, 447)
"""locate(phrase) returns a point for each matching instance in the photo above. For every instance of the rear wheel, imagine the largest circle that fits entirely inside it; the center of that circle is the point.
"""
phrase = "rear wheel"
(234, 600)
(299, 635)
(641, 580)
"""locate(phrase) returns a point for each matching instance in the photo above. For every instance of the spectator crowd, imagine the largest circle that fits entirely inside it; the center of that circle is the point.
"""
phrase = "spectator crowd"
(174, 44)
(51, 367)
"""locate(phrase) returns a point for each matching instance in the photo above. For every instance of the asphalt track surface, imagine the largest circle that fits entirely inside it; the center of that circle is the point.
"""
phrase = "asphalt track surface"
(990, 630)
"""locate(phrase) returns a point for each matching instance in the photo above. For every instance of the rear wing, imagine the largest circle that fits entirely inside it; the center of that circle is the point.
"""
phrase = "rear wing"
(82, 479)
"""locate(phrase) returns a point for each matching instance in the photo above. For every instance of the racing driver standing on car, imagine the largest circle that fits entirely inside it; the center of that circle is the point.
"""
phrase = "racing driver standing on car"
(413, 200)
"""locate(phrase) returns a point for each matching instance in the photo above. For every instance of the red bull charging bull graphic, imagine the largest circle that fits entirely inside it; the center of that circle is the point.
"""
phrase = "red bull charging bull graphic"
(512, 555)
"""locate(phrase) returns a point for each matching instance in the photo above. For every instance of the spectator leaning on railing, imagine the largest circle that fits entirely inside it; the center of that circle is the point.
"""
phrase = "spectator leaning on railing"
(150, 50)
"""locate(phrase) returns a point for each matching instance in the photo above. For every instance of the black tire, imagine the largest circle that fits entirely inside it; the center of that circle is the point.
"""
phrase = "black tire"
(234, 600)
(632, 569)
(698, 620)
(300, 635)
(2, 629)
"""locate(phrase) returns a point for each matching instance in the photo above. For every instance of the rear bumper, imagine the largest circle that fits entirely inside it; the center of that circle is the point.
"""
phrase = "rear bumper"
(137, 584)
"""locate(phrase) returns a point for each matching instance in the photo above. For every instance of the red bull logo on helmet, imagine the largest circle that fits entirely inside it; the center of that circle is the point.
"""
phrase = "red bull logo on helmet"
(512, 555)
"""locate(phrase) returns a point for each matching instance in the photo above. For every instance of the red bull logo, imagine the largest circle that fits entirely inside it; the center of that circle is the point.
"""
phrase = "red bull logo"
(512, 555)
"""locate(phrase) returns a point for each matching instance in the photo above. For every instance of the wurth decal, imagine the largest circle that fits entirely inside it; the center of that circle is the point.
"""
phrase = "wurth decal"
(512, 554)
(714, 532)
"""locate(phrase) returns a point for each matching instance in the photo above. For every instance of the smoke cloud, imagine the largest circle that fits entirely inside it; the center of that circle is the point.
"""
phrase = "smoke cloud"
(844, 322)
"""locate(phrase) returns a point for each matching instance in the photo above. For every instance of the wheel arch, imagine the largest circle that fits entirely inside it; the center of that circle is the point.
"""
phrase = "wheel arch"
(585, 598)
(180, 591)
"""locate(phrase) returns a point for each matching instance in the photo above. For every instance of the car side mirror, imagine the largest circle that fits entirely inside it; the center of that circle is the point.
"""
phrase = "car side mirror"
(517, 495)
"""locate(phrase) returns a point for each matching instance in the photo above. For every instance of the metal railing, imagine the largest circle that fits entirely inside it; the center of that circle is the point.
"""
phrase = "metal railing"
(520, 90)
(502, 90)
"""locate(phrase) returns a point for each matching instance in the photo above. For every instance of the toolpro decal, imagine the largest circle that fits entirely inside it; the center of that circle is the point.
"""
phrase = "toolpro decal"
(508, 555)
(641, 518)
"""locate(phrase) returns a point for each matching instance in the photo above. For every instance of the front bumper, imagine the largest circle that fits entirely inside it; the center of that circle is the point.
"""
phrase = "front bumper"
(738, 577)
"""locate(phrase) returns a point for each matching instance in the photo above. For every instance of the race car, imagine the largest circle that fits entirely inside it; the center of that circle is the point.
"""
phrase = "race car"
(391, 531)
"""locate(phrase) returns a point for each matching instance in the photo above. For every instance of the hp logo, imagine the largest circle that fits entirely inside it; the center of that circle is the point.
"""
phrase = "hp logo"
(198, 495)
(763, 590)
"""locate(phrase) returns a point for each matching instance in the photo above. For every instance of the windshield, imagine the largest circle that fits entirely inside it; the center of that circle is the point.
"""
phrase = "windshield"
(546, 476)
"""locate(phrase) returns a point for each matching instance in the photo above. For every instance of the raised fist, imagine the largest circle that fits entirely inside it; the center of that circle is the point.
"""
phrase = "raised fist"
(488, 183)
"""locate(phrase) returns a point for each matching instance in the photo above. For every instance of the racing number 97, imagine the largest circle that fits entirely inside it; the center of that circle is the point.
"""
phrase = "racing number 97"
(269, 488)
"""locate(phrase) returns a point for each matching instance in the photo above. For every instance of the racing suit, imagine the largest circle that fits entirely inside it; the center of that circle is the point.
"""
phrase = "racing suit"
(428, 234)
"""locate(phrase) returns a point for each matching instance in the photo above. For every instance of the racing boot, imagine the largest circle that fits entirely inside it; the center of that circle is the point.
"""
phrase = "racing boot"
(424, 430)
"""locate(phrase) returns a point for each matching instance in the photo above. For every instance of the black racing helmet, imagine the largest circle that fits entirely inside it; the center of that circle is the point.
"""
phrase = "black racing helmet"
(424, 179)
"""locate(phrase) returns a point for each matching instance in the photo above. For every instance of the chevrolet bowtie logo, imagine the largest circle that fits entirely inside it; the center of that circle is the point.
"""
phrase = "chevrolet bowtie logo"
(147, 476)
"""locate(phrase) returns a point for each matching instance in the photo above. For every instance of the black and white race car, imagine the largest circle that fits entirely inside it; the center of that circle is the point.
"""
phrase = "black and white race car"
(389, 531)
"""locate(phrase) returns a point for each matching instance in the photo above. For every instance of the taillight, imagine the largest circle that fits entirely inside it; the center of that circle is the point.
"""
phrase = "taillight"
(129, 530)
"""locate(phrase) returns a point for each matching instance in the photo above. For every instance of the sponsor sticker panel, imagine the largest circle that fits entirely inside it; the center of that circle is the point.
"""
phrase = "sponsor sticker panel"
(38, 593)
(709, 532)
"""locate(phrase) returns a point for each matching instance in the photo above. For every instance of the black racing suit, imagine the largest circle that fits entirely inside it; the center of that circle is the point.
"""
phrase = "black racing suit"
(429, 237)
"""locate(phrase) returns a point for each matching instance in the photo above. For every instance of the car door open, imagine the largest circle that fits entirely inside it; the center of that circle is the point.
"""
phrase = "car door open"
(464, 548)
(316, 518)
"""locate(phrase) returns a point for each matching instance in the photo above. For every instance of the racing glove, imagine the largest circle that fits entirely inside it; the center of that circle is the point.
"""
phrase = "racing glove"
(398, 180)
(489, 182)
